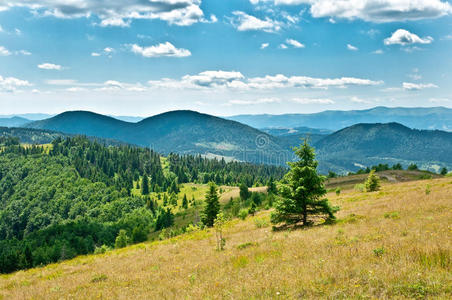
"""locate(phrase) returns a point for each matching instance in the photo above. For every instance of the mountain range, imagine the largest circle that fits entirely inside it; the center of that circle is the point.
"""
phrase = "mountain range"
(419, 118)
(189, 132)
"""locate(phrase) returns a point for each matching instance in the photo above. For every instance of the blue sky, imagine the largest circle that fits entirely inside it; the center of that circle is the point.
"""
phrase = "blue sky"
(142, 57)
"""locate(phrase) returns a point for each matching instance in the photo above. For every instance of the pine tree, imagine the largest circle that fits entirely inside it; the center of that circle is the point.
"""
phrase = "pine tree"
(372, 183)
(212, 207)
(302, 190)
(271, 187)
(185, 202)
(252, 209)
(444, 171)
(145, 185)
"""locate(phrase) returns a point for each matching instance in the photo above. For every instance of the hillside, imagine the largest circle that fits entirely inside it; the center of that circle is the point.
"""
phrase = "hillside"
(395, 243)
(185, 132)
(370, 144)
(420, 118)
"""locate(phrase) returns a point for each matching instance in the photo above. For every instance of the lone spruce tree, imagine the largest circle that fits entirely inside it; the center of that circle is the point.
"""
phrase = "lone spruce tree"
(372, 183)
(212, 207)
(301, 191)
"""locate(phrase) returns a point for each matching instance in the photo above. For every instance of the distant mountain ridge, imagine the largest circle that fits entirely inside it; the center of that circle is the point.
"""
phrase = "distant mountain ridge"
(185, 132)
(189, 132)
(420, 118)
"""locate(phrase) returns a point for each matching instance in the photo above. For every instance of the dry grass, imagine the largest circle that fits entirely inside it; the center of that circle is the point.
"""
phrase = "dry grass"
(395, 243)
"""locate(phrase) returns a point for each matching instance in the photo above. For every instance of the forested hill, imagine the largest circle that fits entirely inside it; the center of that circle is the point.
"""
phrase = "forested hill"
(184, 132)
(368, 144)
(64, 199)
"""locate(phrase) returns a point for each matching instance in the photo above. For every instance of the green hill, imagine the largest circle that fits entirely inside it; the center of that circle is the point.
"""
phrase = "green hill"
(371, 144)
(184, 132)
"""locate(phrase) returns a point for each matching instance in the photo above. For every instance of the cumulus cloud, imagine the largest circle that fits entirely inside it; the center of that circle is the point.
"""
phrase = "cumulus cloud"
(417, 86)
(117, 12)
(245, 22)
(351, 47)
(49, 66)
(294, 43)
(162, 49)
(236, 80)
(312, 101)
(264, 45)
(11, 84)
(4, 51)
(378, 11)
(404, 37)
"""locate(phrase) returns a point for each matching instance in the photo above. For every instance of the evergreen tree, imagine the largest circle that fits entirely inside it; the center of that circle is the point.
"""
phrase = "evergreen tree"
(244, 192)
(145, 185)
(443, 171)
(212, 207)
(372, 183)
(301, 190)
(252, 209)
(271, 187)
(185, 202)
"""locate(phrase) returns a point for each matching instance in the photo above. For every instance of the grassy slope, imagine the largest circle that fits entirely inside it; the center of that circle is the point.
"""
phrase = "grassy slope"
(338, 261)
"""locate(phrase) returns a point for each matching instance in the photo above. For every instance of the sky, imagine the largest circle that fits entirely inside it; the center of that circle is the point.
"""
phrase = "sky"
(223, 57)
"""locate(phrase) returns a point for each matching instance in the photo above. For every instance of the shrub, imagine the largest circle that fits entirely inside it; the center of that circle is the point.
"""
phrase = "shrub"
(260, 223)
(378, 252)
(102, 249)
(122, 239)
(338, 191)
(243, 213)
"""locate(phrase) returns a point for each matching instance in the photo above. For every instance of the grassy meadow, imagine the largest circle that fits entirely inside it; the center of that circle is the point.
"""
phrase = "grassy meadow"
(395, 243)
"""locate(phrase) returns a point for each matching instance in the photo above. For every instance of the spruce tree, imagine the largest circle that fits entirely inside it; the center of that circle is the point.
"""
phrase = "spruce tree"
(244, 192)
(212, 207)
(145, 185)
(444, 171)
(372, 183)
(301, 191)
(185, 202)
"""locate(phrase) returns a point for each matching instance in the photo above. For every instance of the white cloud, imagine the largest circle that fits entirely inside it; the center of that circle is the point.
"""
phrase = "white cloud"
(11, 84)
(294, 43)
(23, 52)
(312, 101)
(379, 51)
(416, 87)
(372, 10)
(245, 22)
(358, 100)
(264, 45)
(439, 100)
(283, 46)
(352, 48)
(95, 54)
(163, 49)
(109, 50)
(4, 51)
(404, 37)
(236, 80)
(49, 66)
(117, 12)
(254, 102)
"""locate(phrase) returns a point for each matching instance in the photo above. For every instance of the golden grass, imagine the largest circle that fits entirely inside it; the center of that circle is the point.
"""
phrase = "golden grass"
(395, 243)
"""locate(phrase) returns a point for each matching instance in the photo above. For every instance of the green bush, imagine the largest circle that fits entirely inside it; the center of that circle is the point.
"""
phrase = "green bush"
(243, 213)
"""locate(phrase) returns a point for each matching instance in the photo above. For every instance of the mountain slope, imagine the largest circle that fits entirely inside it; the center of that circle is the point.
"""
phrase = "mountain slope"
(420, 118)
(367, 144)
(176, 131)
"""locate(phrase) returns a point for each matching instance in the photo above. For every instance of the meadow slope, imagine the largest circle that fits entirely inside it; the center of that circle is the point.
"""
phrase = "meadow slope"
(395, 243)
